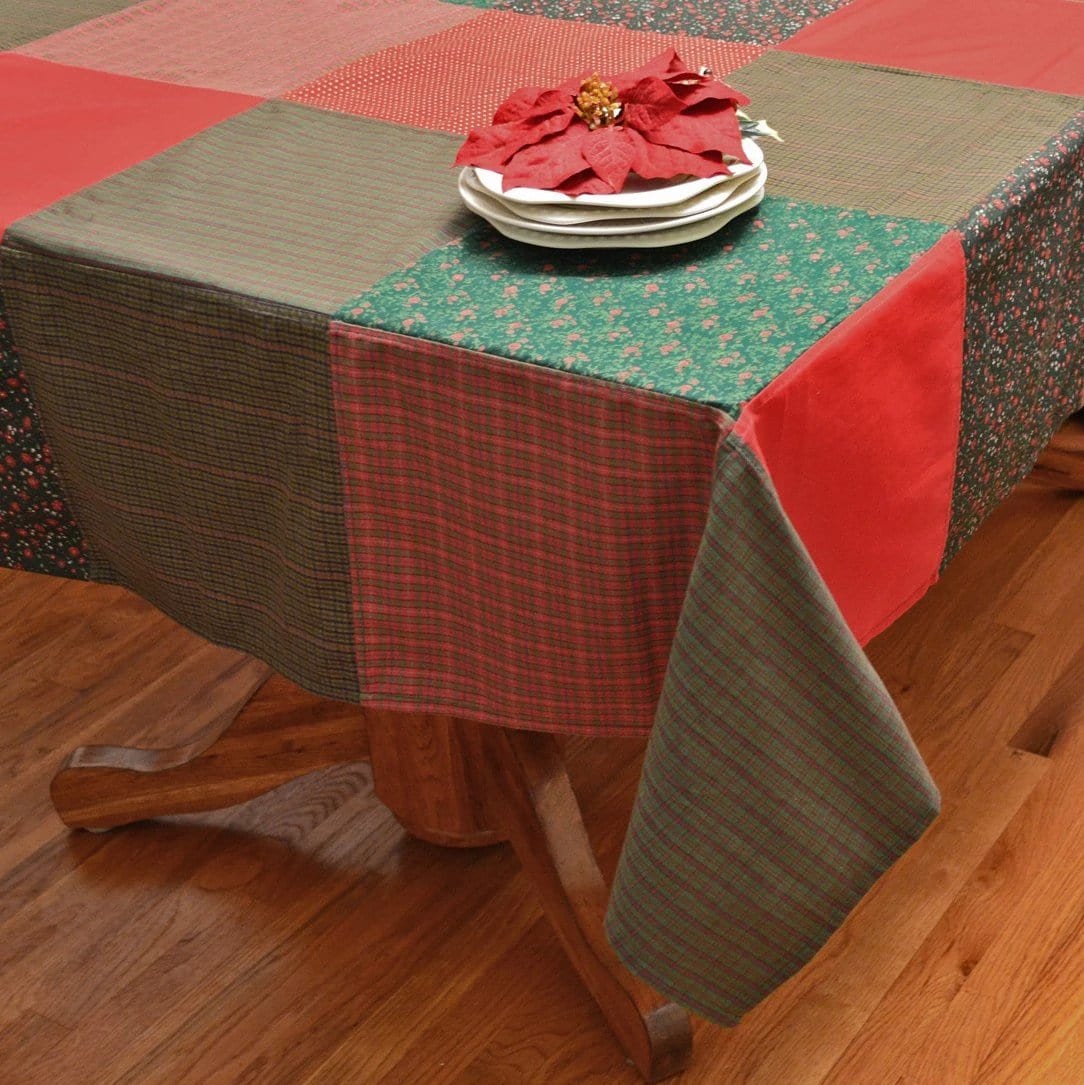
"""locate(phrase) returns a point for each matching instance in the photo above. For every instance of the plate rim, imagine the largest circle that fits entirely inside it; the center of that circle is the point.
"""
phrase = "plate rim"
(750, 184)
(656, 239)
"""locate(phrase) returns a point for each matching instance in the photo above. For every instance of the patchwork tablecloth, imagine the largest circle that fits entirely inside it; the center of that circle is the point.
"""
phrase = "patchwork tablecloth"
(258, 365)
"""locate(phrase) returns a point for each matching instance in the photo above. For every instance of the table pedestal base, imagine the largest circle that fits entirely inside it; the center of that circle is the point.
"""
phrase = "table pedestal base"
(448, 781)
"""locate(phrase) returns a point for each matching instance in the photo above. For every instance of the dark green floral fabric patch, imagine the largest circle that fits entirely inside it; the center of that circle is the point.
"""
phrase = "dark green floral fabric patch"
(1022, 374)
(764, 22)
(713, 321)
(37, 531)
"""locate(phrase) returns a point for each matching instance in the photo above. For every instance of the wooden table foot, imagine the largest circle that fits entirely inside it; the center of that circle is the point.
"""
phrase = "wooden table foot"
(448, 781)
(279, 734)
(1062, 464)
(533, 798)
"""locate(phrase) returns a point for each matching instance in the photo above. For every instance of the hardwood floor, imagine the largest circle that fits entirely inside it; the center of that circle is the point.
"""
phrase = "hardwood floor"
(303, 939)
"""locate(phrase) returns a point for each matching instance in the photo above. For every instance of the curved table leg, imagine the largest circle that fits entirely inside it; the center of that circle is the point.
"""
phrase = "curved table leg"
(533, 800)
(1062, 464)
(279, 734)
(448, 781)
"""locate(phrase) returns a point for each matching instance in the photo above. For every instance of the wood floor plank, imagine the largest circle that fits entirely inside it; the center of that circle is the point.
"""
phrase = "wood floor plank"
(1045, 1040)
(340, 965)
(977, 964)
(1052, 570)
(1040, 915)
(246, 901)
(800, 1031)
(387, 1044)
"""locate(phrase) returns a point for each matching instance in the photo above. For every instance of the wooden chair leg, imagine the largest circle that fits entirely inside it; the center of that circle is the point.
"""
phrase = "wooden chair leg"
(280, 733)
(534, 802)
(1062, 464)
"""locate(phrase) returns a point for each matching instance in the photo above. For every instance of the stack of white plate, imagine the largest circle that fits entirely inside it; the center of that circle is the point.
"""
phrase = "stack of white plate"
(645, 214)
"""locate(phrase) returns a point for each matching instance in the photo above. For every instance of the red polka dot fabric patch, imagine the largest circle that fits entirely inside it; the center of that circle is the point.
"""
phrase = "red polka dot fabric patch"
(455, 80)
(967, 41)
(65, 128)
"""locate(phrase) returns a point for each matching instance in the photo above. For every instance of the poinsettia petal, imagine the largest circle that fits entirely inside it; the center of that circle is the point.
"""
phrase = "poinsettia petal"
(549, 163)
(482, 147)
(648, 104)
(609, 152)
(709, 90)
(698, 133)
(493, 146)
(528, 102)
(654, 162)
(587, 183)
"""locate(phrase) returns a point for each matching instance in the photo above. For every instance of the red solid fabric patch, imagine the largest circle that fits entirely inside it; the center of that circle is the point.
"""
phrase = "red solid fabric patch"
(65, 128)
(859, 437)
(967, 41)
(455, 80)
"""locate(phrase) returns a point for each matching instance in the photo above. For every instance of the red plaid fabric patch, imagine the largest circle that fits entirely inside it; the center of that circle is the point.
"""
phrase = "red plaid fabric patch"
(520, 547)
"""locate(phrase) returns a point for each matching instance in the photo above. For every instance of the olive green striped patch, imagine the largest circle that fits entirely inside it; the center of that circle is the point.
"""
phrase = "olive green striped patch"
(23, 21)
(196, 437)
(779, 782)
(891, 141)
(283, 202)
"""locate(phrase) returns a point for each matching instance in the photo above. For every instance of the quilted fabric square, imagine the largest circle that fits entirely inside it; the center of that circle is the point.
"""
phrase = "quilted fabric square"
(713, 322)
(195, 434)
(65, 128)
(283, 203)
(22, 21)
(886, 381)
(962, 40)
(891, 141)
(520, 539)
(259, 47)
(455, 80)
(760, 22)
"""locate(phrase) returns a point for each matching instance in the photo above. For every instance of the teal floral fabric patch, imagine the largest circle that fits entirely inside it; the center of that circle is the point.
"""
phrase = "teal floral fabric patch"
(713, 321)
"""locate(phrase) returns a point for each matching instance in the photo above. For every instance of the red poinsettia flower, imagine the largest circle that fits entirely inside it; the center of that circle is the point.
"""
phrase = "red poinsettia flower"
(586, 136)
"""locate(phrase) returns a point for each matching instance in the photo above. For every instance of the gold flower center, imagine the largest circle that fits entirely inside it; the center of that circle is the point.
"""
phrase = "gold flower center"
(597, 103)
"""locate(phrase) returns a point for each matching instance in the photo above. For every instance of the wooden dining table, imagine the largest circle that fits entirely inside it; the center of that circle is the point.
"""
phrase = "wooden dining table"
(260, 366)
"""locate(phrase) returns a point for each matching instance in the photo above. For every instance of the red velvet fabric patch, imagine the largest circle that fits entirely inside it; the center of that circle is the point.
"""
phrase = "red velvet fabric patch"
(64, 128)
(967, 41)
(859, 437)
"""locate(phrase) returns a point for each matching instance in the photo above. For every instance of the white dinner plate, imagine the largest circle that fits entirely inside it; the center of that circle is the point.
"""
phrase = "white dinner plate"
(495, 211)
(655, 239)
(573, 215)
(636, 194)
